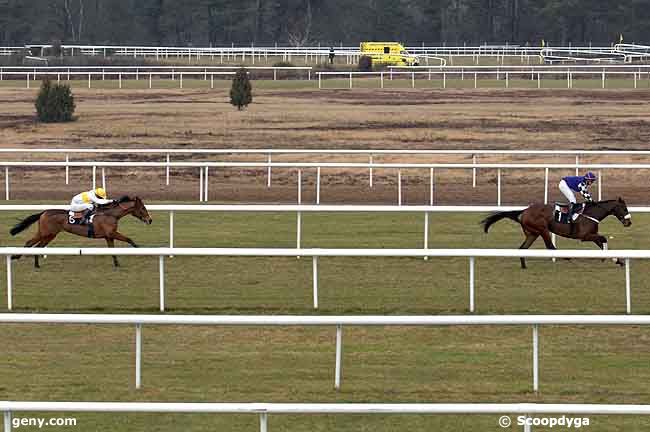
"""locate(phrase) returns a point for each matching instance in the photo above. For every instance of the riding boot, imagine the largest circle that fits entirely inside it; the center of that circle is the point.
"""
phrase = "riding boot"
(570, 213)
(87, 216)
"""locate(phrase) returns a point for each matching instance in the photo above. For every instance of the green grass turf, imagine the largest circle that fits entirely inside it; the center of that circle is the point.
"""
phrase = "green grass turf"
(454, 364)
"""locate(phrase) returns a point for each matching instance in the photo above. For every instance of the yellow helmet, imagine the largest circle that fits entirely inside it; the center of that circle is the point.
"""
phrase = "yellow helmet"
(100, 192)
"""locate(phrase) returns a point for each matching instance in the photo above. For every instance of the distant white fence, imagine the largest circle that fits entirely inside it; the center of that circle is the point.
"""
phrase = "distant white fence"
(203, 168)
(524, 411)
(173, 209)
(537, 76)
(30, 75)
(535, 321)
(471, 254)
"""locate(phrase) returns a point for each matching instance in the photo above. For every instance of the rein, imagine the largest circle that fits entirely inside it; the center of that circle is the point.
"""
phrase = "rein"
(609, 212)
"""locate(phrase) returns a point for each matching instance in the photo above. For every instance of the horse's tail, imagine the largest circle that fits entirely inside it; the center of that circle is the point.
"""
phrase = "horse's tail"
(25, 223)
(496, 217)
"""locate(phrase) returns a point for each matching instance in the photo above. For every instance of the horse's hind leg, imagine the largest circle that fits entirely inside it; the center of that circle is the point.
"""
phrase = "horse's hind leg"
(546, 236)
(29, 243)
(530, 239)
(42, 243)
(111, 243)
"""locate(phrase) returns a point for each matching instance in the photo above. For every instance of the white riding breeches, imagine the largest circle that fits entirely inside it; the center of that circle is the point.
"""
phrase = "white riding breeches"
(567, 192)
(79, 207)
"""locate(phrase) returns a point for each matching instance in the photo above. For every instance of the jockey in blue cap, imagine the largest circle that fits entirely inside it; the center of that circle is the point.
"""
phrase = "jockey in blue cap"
(581, 184)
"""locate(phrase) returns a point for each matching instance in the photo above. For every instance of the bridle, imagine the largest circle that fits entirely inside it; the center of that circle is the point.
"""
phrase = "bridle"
(597, 204)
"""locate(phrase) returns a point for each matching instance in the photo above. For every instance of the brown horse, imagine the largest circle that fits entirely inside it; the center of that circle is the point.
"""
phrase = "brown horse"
(537, 220)
(52, 222)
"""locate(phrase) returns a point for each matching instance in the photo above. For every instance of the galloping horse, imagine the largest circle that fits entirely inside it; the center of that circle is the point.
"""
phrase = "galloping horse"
(52, 222)
(537, 220)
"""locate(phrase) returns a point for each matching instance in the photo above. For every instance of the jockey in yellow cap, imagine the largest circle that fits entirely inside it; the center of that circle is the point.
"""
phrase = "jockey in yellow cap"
(86, 201)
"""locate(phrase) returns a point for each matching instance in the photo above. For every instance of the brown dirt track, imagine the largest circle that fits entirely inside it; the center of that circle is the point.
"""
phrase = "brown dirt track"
(374, 119)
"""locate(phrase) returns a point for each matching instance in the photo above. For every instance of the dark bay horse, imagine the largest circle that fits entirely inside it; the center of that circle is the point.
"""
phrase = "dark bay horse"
(106, 219)
(537, 220)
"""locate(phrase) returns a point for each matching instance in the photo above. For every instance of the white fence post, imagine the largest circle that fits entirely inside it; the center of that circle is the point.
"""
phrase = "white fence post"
(318, 185)
(264, 422)
(138, 356)
(499, 187)
(577, 163)
(546, 186)
(268, 173)
(206, 182)
(171, 229)
(339, 354)
(315, 280)
(299, 192)
(167, 170)
(426, 232)
(104, 178)
(535, 358)
(67, 169)
(94, 177)
(600, 185)
(200, 184)
(474, 172)
(628, 297)
(7, 183)
(10, 300)
(7, 418)
(161, 267)
(371, 174)
(472, 285)
(298, 229)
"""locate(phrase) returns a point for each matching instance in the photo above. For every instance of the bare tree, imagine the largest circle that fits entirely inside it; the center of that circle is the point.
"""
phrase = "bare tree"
(75, 33)
(299, 32)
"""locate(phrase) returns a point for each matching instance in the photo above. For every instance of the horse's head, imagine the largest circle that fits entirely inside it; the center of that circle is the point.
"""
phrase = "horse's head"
(140, 211)
(621, 212)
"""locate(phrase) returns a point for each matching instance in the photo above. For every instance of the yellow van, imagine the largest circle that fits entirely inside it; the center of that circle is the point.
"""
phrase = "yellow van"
(388, 53)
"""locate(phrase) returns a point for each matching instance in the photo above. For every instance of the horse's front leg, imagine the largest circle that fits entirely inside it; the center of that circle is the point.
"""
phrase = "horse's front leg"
(121, 237)
(601, 242)
(111, 244)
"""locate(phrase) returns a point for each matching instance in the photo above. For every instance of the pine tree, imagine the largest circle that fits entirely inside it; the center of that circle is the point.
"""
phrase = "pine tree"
(54, 103)
(241, 91)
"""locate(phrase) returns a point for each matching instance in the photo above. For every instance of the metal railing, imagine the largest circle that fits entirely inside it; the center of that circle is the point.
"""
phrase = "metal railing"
(524, 411)
(316, 253)
(139, 321)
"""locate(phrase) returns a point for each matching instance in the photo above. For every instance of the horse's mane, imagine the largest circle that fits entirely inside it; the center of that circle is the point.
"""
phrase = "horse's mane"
(598, 203)
(120, 200)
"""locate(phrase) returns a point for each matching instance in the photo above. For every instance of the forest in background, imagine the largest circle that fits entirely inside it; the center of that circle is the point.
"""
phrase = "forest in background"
(328, 22)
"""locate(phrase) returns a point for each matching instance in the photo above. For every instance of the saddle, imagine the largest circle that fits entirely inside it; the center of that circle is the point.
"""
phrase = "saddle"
(561, 213)
(83, 218)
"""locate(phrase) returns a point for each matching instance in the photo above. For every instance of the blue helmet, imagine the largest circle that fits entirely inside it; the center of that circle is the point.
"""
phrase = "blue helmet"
(590, 176)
